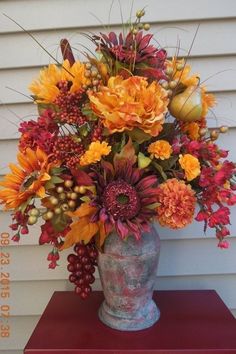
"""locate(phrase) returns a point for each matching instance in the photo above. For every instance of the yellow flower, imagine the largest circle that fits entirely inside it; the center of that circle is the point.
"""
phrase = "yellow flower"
(192, 129)
(127, 103)
(161, 149)
(191, 166)
(95, 152)
(26, 180)
(46, 89)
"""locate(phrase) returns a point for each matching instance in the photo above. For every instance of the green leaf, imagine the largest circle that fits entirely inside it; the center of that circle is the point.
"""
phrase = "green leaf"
(160, 170)
(49, 185)
(168, 132)
(168, 164)
(138, 135)
(43, 106)
(127, 153)
(143, 161)
(56, 179)
(153, 205)
(56, 171)
(87, 111)
(23, 206)
(85, 199)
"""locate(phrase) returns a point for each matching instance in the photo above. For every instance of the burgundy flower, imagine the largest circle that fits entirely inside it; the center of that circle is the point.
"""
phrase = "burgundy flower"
(124, 195)
(133, 50)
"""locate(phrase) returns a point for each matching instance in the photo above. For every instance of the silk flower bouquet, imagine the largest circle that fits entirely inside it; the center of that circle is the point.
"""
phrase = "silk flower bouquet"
(120, 142)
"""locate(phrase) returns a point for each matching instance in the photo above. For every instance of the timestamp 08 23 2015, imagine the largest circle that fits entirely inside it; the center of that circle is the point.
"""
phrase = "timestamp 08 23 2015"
(4, 286)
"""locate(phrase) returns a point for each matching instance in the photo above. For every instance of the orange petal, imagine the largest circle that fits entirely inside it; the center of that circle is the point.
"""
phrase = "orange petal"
(81, 230)
(84, 210)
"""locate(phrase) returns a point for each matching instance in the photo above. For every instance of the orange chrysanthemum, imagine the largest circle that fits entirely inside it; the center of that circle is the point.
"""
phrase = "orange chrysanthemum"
(25, 181)
(127, 103)
(177, 204)
(191, 166)
(46, 89)
(161, 149)
(95, 152)
(192, 129)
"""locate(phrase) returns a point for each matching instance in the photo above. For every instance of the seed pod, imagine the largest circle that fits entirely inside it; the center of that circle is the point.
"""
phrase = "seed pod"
(140, 13)
(54, 200)
(169, 71)
(32, 220)
(179, 66)
(57, 211)
(74, 196)
(68, 183)
(34, 212)
(203, 131)
(65, 207)
(62, 196)
(60, 189)
(224, 129)
(72, 203)
(165, 85)
(214, 135)
(173, 84)
(146, 26)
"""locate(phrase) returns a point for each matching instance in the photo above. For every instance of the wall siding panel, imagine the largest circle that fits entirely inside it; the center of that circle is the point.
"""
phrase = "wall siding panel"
(189, 260)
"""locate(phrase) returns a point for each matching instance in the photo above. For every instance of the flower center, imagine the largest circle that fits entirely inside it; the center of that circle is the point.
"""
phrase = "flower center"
(29, 180)
(121, 200)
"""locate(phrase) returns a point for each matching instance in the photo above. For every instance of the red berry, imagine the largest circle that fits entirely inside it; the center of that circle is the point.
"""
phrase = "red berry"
(78, 290)
(87, 289)
(81, 282)
(92, 280)
(84, 260)
(88, 267)
(88, 278)
(72, 278)
(71, 268)
(81, 250)
(83, 295)
(79, 273)
(72, 258)
(78, 266)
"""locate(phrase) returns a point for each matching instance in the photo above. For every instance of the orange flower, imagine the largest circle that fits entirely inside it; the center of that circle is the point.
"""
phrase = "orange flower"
(161, 149)
(182, 75)
(45, 88)
(192, 129)
(127, 103)
(191, 166)
(177, 204)
(26, 181)
(208, 101)
(95, 152)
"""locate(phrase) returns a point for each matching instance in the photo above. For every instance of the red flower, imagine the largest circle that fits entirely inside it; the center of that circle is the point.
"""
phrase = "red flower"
(219, 217)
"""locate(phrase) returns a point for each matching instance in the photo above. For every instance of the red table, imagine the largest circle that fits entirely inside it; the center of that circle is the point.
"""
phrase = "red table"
(191, 322)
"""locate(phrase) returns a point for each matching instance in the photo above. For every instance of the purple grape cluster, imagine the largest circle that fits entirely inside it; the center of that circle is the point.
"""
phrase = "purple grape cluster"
(82, 267)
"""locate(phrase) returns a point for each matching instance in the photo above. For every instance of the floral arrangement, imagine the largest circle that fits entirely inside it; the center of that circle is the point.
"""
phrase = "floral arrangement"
(121, 141)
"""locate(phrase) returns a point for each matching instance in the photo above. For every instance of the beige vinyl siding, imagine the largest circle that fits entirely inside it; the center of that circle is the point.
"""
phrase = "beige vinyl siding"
(189, 259)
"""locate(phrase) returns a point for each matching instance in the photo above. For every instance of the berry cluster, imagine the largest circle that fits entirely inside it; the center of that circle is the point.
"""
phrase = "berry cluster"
(96, 134)
(82, 266)
(69, 105)
(67, 150)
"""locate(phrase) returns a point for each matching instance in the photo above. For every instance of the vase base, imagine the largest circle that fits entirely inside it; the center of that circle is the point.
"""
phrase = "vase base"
(142, 319)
